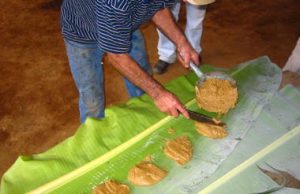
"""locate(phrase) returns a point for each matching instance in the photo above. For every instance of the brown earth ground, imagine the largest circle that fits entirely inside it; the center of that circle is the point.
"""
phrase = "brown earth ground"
(38, 99)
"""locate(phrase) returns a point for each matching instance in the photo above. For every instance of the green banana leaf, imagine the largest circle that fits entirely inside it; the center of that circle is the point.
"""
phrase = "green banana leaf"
(279, 119)
(108, 148)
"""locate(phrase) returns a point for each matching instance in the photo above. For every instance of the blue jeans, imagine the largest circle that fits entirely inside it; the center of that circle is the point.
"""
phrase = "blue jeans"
(86, 67)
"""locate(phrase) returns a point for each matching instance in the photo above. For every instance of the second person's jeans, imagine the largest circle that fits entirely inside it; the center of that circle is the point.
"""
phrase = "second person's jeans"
(86, 67)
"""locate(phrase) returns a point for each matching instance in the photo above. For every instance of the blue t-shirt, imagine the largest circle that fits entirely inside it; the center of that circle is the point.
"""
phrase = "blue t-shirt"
(109, 23)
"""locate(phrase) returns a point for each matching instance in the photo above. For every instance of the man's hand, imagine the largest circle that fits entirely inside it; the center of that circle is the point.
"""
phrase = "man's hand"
(186, 54)
(168, 103)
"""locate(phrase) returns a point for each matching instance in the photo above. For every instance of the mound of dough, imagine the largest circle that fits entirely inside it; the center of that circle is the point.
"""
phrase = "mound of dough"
(210, 130)
(216, 95)
(145, 174)
(179, 149)
(111, 187)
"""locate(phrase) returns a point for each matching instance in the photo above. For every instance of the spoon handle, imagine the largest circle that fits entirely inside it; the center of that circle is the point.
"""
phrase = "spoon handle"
(197, 71)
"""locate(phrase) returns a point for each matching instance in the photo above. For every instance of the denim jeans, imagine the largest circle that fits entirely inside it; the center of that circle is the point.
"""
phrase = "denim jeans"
(86, 67)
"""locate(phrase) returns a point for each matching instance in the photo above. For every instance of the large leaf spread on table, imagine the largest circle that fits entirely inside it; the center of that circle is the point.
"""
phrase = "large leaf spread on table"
(108, 148)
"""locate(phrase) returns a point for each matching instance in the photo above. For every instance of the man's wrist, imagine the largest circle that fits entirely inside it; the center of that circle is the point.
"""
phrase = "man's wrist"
(155, 91)
(181, 41)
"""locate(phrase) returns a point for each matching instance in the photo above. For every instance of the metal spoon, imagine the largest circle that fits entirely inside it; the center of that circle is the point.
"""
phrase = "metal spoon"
(217, 74)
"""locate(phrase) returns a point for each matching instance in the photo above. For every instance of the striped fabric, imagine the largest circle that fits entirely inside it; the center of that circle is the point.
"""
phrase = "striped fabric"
(109, 23)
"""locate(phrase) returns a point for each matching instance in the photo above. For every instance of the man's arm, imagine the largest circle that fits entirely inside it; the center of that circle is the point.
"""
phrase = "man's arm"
(164, 20)
(164, 100)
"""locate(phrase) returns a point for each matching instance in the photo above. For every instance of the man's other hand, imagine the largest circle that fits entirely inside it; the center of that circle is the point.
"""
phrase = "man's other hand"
(187, 54)
(168, 103)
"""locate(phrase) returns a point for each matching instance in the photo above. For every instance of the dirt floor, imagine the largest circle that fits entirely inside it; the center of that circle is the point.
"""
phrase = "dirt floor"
(38, 99)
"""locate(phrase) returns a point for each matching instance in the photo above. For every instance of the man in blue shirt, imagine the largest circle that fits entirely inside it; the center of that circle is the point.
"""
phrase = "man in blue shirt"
(92, 28)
